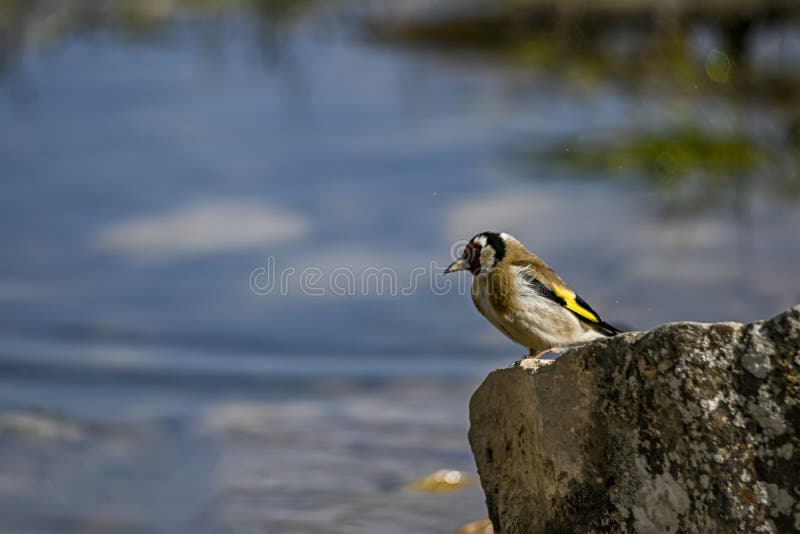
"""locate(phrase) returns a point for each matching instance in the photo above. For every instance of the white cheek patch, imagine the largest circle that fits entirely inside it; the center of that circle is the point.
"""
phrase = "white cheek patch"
(481, 240)
(487, 257)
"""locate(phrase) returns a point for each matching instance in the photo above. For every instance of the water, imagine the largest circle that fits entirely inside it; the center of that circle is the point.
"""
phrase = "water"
(144, 385)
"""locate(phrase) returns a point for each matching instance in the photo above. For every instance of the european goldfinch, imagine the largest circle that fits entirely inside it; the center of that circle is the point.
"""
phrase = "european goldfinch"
(524, 298)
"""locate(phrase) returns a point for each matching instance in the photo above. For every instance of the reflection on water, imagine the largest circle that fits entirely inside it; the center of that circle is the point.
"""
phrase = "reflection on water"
(154, 153)
(336, 461)
(744, 64)
(691, 170)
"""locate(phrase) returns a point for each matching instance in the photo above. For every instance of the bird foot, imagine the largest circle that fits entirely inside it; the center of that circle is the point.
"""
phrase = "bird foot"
(534, 360)
(533, 363)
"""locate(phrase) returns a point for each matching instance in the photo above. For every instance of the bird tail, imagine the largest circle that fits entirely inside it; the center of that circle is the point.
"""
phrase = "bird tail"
(607, 329)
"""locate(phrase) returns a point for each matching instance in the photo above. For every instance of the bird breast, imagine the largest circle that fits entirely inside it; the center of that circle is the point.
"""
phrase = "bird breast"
(524, 316)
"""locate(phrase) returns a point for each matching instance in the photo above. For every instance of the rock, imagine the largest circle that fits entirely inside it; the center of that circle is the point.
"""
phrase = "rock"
(690, 428)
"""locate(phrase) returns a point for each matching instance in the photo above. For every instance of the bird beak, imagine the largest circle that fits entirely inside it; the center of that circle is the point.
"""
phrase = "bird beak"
(458, 265)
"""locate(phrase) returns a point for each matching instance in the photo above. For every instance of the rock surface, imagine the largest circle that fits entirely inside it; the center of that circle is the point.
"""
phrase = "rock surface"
(689, 428)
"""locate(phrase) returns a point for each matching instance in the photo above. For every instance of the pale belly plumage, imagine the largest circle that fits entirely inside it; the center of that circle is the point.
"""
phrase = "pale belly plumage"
(534, 321)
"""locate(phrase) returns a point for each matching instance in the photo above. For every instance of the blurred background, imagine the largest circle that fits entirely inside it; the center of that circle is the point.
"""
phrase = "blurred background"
(154, 153)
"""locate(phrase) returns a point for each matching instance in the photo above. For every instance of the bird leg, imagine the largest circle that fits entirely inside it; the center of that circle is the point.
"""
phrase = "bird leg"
(537, 355)
(530, 356)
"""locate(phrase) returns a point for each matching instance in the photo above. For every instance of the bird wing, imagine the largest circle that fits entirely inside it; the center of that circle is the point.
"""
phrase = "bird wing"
(564, 296)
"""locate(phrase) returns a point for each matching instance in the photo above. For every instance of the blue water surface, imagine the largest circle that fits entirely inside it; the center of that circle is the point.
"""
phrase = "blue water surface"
(146, 387)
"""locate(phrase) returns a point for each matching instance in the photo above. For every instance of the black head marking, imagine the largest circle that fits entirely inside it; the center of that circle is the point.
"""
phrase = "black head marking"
(496, 241)
(491, 239)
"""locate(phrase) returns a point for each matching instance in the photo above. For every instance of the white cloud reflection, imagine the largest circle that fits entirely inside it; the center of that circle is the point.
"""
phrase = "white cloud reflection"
(203, 228)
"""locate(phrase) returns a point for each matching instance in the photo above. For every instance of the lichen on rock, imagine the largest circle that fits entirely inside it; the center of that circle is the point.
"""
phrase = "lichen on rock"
(689, 428)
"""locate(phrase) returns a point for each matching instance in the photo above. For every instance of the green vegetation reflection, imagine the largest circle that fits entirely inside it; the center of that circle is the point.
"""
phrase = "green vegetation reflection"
(689, 168)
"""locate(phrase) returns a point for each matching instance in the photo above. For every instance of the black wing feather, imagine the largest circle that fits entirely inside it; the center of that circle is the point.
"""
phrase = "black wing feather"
(546, 292)
(601, 325)
(541, 289)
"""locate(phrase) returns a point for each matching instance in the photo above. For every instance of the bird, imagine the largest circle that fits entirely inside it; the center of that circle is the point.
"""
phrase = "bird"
(524, 298)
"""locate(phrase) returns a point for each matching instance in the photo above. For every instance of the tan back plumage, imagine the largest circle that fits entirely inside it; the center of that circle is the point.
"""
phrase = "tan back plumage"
(503, 288)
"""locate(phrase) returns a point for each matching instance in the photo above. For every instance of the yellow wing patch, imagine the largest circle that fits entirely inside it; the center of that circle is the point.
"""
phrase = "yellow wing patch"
(574, 303)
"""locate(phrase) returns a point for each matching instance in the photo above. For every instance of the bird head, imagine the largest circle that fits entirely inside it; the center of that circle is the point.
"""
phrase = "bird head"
(482, 253)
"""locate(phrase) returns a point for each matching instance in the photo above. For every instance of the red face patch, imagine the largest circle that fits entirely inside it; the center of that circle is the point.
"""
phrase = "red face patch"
(472, 253)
